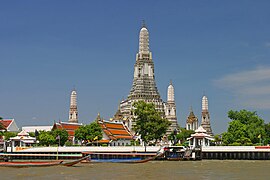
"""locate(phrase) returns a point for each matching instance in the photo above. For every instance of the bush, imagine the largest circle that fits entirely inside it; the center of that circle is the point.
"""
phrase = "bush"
(235, 144)
(68, 143)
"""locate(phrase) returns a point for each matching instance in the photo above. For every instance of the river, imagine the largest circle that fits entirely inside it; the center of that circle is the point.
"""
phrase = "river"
(205, 169)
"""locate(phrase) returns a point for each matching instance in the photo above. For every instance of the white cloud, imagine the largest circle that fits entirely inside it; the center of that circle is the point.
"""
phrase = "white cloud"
(267, 44)
(250, 87)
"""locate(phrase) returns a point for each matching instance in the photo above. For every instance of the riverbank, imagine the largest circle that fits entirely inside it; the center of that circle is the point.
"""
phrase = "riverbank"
(210, 152)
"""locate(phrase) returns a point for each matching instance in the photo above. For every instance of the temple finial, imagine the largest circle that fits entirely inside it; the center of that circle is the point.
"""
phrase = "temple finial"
(143, 23)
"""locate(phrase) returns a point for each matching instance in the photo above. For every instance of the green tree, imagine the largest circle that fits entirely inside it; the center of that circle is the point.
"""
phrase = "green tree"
(267, 133)
(8, 135)
(89, 132)
(184, 134)
(149, 122)
(46, 138)
(237, 129)
(63, 135)
(2, 127)
(245, 128)
(227, 138)
(244, 116)
(217, 139)
(244, 141)
(32, 134)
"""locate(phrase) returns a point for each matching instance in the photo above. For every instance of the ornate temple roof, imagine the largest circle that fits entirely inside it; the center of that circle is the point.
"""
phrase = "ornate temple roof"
(115, 131)
(200, 133)
(200, 130)
(69, 127)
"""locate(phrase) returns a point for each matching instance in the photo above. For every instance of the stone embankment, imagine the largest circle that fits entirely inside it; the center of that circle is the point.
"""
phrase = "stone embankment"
(236, 152)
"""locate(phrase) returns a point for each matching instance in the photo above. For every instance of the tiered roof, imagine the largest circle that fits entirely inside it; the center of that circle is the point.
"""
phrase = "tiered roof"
(201, 133)
(191, 118)
(69, 127)
(115, 130)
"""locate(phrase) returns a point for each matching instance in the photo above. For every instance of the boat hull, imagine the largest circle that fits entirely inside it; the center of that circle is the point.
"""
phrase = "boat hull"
(30, 164)
(121, 158)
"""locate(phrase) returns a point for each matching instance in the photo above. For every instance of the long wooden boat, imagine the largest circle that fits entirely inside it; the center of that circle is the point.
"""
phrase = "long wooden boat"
(75, 162)
(30, 164)
(121, 157)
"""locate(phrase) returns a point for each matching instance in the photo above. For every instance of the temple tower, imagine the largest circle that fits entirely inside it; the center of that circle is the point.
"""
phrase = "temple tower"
(170, 110)
(144, 85)
(73, 110)
(192, 121)
(206, 116)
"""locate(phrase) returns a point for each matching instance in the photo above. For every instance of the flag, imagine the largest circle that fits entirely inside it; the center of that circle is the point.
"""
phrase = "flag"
(259, 136)
(58, 137)
(96, 138)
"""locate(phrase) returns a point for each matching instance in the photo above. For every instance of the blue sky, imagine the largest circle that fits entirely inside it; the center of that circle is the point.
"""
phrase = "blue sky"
(221, 48)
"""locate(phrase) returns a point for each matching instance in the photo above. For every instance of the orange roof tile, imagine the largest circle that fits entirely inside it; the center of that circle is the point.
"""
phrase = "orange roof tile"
(104, 141)
(114, 126)
(6, 122)
(115, 130)
(124, 137)
(119, 132)
(69, 127)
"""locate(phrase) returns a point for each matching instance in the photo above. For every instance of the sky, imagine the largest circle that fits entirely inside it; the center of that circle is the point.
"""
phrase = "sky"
(217, 48)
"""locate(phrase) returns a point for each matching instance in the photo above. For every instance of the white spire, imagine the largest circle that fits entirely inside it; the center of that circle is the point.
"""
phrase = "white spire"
(204, 103)
(73, 111)
(73, 98)
(170, 94)
(144, 40)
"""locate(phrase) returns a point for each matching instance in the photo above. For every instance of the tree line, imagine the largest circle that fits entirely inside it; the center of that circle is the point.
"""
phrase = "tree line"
(245, 128)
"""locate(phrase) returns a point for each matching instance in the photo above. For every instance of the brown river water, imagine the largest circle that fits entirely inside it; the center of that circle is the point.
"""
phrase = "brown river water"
(205, 169)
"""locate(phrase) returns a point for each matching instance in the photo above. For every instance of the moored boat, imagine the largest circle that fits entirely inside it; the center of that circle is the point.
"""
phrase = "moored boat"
(131, 157)
(75, 162)
(30, 163)
(179, 153)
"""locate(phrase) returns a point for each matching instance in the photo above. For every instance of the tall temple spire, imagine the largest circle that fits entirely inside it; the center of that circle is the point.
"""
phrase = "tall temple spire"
(204, 103)
(144, 40)
(206, 116)
(73, 110)
(170, 94)
(144, 85)
(170, 110)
